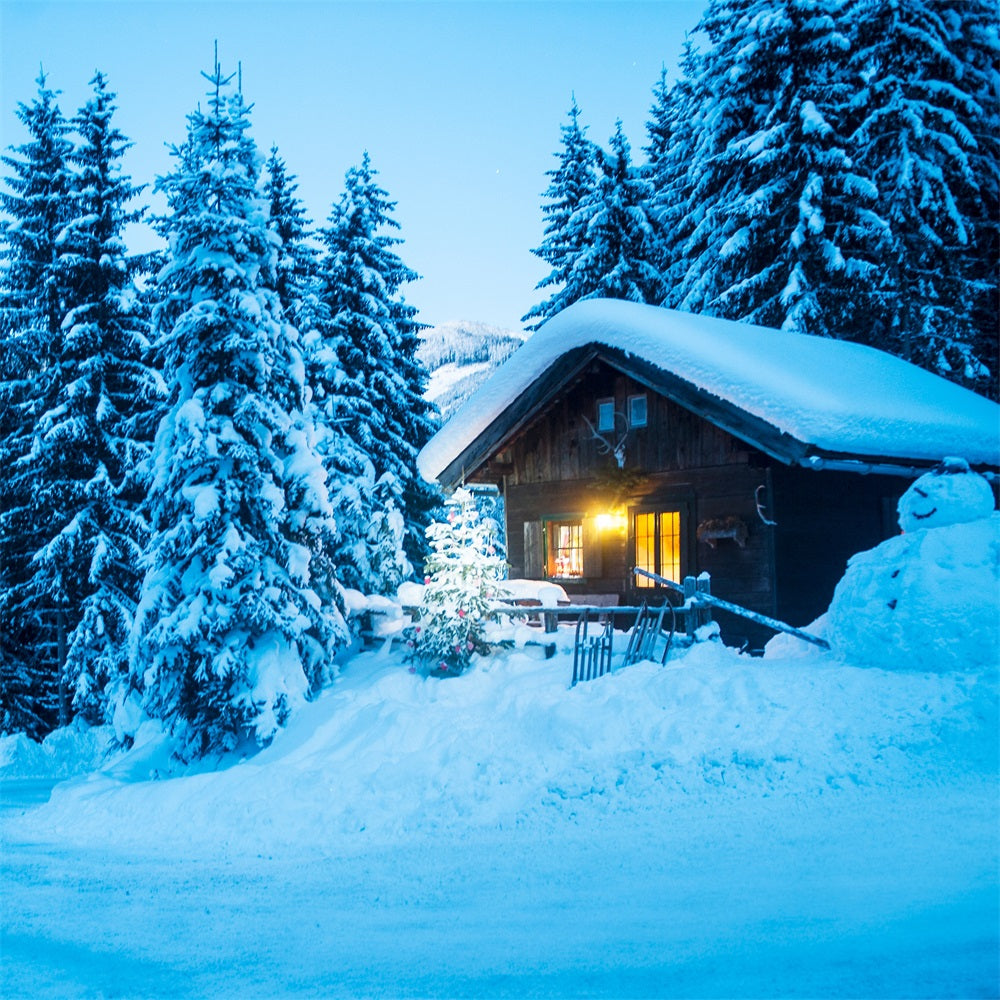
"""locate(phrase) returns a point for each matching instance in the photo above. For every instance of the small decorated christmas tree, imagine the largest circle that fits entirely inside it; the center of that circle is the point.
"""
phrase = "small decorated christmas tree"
(463, 573)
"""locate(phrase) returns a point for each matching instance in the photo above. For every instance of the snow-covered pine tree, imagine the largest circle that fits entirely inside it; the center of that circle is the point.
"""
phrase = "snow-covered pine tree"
(914, 137)
(572, 182)
(230, 633)
(297, 283)
(788, 233)
(976, 42)
(665, 169)
(295, 274)
(35, 209)
(618, 257)
(379, 403)
(464, 571)
(92, 443)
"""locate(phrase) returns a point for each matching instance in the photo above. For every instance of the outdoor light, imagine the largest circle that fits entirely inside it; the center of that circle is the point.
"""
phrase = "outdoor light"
(611, 521)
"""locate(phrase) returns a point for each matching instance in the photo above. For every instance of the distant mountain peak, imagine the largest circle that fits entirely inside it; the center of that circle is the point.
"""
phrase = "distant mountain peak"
(460, 355)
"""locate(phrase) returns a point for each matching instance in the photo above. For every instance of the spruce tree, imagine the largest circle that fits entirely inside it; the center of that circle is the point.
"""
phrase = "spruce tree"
(230, 635)
(618, 257)
(464, 572)
(92, 444)
(296, 271)
(974, 41)
(571, 184)
(670, 154)
(915, 121)
(790, 232)
(379, 406)
(32, 306)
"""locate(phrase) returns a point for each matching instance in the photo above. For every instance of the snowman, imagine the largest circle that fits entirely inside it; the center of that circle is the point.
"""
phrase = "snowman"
(928, 599)
(950, 494)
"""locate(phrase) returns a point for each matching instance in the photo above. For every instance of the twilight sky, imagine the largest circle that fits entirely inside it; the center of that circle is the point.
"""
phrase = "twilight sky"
(458, 103)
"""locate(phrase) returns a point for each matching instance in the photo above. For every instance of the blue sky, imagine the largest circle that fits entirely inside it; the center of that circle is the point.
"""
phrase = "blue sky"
(459, 105)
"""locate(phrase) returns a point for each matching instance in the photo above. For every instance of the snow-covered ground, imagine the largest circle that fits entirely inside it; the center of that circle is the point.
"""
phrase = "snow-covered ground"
(797, 825)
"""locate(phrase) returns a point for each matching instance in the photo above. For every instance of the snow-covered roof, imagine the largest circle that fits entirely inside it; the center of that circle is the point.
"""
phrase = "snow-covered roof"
(833, 397)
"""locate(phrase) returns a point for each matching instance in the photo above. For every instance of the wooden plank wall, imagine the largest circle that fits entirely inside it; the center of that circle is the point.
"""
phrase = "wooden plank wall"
(556, 470)
(824, 518)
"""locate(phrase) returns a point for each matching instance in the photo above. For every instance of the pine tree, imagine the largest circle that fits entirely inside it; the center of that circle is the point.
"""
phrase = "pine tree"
(92, 444)
(670, 154)
(296, 270)
(975, 42)
(618, 257)
(790, 234)
(571, 184)
(231, 635)
(464, 572)
(379, 405)
(913, 138)
(31, 313)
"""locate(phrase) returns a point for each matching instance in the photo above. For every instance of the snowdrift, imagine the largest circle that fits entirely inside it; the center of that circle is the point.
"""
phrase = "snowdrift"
(388, 754)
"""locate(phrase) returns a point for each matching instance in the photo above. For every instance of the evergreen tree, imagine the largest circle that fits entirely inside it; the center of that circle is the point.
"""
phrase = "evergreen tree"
(974, 40)
(789, 234)
(91, 445)
(571, 184)
(913, 138)
(230, 635)
(618, 256)
(32, 300)
(464, 572)
(379, 404)
(296, 270)
(670, 153)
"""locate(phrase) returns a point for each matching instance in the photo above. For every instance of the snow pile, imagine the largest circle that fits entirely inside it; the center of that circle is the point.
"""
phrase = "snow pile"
(928, 599)
(74, 750)
(387, 754)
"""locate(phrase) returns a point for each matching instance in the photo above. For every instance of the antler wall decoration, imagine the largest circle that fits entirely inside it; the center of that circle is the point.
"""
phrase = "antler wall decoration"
(605, 446)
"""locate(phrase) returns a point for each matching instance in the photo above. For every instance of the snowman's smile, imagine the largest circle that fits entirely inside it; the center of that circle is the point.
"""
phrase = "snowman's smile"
(917, 514)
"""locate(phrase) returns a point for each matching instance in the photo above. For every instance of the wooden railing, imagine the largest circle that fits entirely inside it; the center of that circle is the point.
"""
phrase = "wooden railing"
(697, 593)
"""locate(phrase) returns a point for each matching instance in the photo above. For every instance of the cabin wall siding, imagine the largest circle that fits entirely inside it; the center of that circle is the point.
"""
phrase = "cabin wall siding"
(824, 518)
(557, 467)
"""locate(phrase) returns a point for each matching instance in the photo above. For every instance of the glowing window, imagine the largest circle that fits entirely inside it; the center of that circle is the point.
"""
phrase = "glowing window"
(564, 549)
(658, 545)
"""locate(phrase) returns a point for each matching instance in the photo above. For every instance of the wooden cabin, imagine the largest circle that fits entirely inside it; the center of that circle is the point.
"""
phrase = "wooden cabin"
(624, 435)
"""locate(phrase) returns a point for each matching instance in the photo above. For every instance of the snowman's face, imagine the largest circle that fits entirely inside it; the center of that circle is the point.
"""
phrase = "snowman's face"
(941, 498)
(922, 505)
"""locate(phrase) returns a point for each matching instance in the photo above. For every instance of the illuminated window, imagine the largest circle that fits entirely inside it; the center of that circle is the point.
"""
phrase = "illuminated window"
(606, 414)
(564, 549)
(658, 545)
(637, 411)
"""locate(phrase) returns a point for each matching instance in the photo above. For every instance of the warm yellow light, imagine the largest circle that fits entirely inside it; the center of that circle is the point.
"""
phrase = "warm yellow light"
(611, 522)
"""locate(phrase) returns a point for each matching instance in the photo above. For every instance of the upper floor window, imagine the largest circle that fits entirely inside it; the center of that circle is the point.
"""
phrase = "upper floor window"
(606, 414)
(637, 411)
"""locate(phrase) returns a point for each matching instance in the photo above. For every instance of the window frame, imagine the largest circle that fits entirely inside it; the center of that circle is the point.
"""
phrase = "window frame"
(635, 397)
(549, 523)
(605, 401)
(682, 510)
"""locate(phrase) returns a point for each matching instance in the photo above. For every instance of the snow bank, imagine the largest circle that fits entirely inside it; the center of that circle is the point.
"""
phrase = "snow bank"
(76, 749)
(388, 754)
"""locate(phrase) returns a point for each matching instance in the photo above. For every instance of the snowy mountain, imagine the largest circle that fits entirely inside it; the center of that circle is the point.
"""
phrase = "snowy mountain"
(460, 355)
